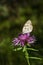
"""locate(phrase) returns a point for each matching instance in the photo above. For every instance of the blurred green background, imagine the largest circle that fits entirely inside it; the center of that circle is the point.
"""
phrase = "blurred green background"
(13, 15)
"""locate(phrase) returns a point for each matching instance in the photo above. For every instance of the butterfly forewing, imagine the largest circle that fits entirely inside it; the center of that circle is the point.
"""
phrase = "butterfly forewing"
(27, 28)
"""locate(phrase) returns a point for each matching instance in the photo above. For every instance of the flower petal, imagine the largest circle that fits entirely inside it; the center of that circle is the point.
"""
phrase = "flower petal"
(22, 43)
(16, 41)
(28, 34)
(23, 37)
(31, 39)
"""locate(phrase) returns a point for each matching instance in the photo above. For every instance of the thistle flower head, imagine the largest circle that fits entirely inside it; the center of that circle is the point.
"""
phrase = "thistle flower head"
(23, 39)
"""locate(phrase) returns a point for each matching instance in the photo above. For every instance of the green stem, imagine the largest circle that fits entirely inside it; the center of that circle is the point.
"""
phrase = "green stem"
(26, 55)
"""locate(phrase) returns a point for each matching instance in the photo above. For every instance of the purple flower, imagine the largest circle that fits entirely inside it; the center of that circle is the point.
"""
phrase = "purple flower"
(16, 41)
(31, 39)
(23, 39)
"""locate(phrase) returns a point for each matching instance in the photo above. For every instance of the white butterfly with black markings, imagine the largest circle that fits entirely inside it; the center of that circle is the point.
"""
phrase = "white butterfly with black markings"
(27, 28)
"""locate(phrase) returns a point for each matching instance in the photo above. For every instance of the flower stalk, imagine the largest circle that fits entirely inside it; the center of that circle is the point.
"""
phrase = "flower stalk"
(26, 54)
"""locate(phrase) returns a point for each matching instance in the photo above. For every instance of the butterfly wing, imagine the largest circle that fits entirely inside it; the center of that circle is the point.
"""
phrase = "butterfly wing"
(27, 28)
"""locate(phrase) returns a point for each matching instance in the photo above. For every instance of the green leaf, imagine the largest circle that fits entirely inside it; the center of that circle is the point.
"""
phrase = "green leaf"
(35, 58)
(24, 48)
(29, 45)
(32, 49)
(17, 49)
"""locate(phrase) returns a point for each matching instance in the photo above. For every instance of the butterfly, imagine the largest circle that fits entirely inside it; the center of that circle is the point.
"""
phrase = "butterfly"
(27, 28)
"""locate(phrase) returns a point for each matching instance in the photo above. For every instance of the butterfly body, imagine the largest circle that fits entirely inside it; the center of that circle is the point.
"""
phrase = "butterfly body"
(27, 28)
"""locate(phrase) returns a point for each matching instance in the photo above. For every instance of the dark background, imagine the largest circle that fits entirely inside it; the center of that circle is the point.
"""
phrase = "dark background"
(13, 15)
